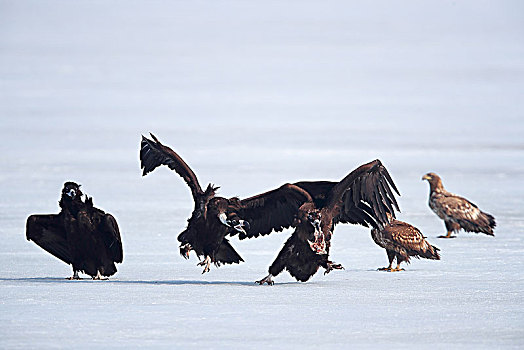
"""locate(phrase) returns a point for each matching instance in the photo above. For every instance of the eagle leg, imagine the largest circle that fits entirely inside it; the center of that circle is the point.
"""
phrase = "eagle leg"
(396, 269)
(333, 266)
(75, 276)
(391, 257)
(385, 268)
(99, 277)
(268, 279)
(448, 235)
(206, 263)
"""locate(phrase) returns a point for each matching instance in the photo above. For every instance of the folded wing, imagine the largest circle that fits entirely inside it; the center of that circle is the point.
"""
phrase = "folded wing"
(112, 239)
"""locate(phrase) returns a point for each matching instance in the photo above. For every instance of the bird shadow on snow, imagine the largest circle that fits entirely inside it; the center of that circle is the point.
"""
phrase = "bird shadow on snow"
(58, 280)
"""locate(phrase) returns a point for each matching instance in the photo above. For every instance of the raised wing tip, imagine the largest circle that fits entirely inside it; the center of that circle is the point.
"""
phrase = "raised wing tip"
(388, 176)
(154, 137)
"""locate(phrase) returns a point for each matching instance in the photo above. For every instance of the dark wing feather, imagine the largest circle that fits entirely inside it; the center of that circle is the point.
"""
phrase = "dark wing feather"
(112, 239)
(48, 232)
(226, 254)
(364, 196)
(271, 211)
(319, 190)
(154, 154)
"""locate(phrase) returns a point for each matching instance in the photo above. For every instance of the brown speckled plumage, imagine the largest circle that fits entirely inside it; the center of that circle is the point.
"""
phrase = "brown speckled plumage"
(402, 240)
(457, 212)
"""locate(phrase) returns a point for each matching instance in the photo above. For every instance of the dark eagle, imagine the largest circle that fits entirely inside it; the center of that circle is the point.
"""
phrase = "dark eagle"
(457, 212)
(363, 197)
(214, 218)
(81, 235)
(402, 240)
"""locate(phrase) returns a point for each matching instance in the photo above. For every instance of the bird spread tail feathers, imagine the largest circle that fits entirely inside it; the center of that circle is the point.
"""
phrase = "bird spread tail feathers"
(490, 220)
(431, 252)
(485, 223)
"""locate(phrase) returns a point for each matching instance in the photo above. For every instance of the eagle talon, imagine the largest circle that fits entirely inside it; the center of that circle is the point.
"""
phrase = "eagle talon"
(206, 263)
(332, 266)
(99, 277)
(74, 277)
(268, 279)
(397, 269)
(185, 250)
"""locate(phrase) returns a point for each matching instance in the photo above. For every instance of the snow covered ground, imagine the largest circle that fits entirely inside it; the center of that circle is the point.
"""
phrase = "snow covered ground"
(254, 95)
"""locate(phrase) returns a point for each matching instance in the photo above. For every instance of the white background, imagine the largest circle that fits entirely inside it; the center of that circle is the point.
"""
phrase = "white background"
(253, 95)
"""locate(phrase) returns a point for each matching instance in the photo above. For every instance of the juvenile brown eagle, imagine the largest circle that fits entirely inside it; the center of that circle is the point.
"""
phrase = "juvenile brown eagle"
(402, 240)
(80, 235)
(457, 212)
(363, 197)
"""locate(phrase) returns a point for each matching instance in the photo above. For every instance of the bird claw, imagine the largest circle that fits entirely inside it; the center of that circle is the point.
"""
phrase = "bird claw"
(185, 250)
(390, 269)
(99, 277)
(397, 269)
(332, 266)
(74, 277)
(206, 263)
(267, 280)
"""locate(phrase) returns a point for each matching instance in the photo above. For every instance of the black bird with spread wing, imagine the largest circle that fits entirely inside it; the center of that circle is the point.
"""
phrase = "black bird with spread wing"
(214, 218)
(81, 235)
(363, 197)
(457, 212)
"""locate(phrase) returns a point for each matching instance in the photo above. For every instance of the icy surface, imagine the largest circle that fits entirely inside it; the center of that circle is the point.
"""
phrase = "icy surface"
(253, 95)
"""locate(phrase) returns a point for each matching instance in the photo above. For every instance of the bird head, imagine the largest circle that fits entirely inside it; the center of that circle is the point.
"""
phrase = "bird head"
(236, 223)
(314, 218)
(433, 180)
(309, 215)
(429, 176)
(218, 207)
(71, 191)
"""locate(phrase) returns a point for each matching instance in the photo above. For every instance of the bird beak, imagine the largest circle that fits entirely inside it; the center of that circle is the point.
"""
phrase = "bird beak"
(223, 219)
(242, 226)
(71, 193)
(426, 177)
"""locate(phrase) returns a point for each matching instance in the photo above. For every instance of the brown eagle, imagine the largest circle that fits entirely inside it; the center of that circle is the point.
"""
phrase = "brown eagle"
(402, 240)
(362, 197)
(457, 212)
(81, 235)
